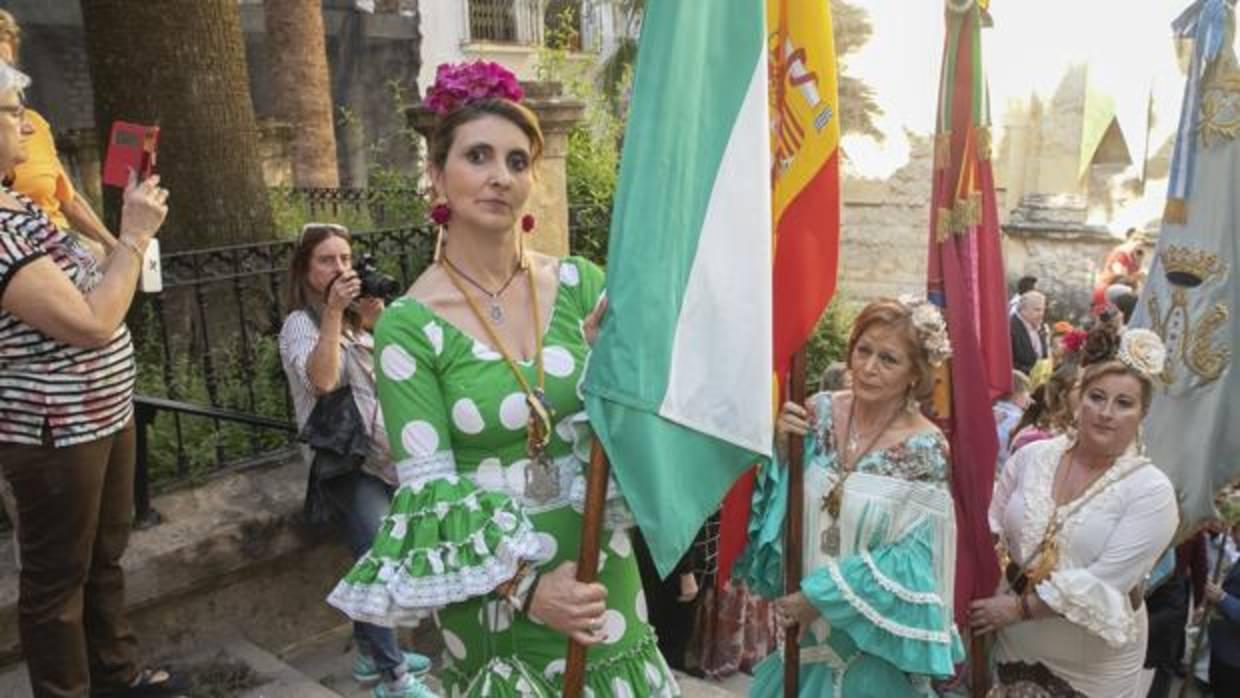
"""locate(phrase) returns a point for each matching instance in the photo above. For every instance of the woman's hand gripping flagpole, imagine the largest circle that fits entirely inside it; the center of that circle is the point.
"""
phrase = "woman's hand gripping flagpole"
(793, 533)
(587, 558)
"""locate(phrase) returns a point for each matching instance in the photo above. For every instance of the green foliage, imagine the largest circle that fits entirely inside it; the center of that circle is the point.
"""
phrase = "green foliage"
(830, 339)
(235, 377)
(393, 199)
(593, 159)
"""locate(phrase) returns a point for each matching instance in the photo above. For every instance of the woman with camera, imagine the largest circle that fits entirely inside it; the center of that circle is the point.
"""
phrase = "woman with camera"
(327, 349)
(66, 429)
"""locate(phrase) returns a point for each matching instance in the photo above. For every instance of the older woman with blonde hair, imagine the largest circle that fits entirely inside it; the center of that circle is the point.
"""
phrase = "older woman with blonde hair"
(876, 602)
(1082, 519)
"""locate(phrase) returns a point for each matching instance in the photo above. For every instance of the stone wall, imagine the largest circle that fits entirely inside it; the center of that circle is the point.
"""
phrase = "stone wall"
(884, 239)
(883, 233)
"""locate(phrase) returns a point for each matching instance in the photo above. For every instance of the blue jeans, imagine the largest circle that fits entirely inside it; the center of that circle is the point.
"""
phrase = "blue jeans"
(361, 501)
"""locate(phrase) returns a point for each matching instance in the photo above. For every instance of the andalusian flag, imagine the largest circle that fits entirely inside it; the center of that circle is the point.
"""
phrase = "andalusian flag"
(679, 383)
(805, 199)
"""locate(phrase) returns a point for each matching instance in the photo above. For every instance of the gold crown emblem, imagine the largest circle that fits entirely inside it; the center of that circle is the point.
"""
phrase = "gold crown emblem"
(1185, 266)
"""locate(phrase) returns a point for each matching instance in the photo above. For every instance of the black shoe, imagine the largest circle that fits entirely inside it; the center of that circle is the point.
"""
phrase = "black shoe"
(151, 683)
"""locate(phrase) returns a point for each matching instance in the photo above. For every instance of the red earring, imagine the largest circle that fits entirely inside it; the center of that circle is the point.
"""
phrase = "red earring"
(441, 214)
(527, 223)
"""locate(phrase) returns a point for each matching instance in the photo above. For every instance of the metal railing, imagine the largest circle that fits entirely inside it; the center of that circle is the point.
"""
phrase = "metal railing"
(373, 207)
(211, 389)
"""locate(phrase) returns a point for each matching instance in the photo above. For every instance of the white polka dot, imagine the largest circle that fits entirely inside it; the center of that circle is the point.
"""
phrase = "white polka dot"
(569, 274)
(621, 688)
(490, 474)
(602, 561)
(397, 364)
(466, 417)
(620, 543)
(419, 439)
(514, 412)
(555, 667)
(640, 608)
(434, 334)
(484, 353)
(653, 676)
(456, 648)
(613, 626)
(547, 547)
(498, 616)
(558, 362)
(514, 476)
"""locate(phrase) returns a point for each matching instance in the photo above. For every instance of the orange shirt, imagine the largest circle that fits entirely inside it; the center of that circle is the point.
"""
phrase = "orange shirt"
(41, 177)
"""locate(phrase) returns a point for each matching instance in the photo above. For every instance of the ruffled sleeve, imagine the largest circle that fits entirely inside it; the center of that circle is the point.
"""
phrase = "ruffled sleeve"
(760, 565)
(443, 540)
(886, 600)
(1095, 596)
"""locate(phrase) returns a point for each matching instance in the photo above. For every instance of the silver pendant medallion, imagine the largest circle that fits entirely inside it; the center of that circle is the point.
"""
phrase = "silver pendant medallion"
(831, 541)
(497, 313)
(542, 479)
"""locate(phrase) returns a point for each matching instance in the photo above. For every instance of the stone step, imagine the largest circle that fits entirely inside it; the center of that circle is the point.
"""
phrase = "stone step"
(265, 674)
(231, 558)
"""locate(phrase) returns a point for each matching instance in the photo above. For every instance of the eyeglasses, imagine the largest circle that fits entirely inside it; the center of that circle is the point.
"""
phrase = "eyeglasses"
(17, 111)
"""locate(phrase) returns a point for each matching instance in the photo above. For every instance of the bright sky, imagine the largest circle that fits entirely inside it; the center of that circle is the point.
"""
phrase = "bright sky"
(1126, 43)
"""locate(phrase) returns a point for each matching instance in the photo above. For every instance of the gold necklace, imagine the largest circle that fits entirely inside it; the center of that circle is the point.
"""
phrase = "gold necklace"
(542, 479)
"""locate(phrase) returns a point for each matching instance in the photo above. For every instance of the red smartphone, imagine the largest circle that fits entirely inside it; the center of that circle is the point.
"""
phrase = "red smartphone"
(130, 146)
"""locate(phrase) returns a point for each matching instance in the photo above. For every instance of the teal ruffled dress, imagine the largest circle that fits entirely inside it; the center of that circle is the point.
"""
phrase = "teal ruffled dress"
(886, 598)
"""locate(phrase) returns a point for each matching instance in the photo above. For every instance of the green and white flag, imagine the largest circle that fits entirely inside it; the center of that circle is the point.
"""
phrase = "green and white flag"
(679, 383)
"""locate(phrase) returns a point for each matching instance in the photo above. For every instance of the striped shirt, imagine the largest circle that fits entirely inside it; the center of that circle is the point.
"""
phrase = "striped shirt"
(80, 395)
(298, 338)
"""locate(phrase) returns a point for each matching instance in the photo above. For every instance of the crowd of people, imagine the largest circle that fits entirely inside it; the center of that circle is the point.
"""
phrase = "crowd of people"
(447, 441)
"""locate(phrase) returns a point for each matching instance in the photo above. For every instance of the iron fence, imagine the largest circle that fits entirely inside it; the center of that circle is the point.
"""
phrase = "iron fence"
(211, 390)
(369, 208)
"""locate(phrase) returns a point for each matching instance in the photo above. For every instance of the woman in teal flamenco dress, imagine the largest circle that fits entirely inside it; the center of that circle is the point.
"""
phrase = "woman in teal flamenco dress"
(876, 601)
(478, 377)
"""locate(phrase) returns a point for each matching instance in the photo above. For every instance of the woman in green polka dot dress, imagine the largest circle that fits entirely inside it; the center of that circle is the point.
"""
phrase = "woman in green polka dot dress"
(479, 373)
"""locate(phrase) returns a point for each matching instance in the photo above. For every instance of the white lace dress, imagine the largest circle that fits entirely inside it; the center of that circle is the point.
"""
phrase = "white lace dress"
(1096, 645)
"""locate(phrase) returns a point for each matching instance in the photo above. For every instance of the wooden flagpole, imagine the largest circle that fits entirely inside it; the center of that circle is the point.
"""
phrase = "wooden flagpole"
(587, 558)
(793, 529)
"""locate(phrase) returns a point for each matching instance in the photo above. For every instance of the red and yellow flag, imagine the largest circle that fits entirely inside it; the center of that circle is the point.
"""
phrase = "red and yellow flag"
(805, 200)
(805, 168)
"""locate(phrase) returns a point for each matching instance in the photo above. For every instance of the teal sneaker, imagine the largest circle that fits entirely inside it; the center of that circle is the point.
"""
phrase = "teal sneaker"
(405, 687)
(364, 670)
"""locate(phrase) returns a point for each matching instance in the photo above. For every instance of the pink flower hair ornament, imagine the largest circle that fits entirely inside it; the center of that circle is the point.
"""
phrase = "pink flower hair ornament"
(458, 84)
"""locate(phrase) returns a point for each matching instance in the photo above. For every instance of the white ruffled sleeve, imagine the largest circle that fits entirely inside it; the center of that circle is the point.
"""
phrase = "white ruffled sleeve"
(1095, 597)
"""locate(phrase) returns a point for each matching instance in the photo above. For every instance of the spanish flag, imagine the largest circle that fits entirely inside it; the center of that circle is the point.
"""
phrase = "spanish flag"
(805, 199)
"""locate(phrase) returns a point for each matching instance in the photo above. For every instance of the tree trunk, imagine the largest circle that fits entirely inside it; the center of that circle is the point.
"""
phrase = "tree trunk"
(301, 87)
(180, 64)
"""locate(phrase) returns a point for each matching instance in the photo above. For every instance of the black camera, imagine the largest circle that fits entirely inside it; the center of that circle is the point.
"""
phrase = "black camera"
(375, 284)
